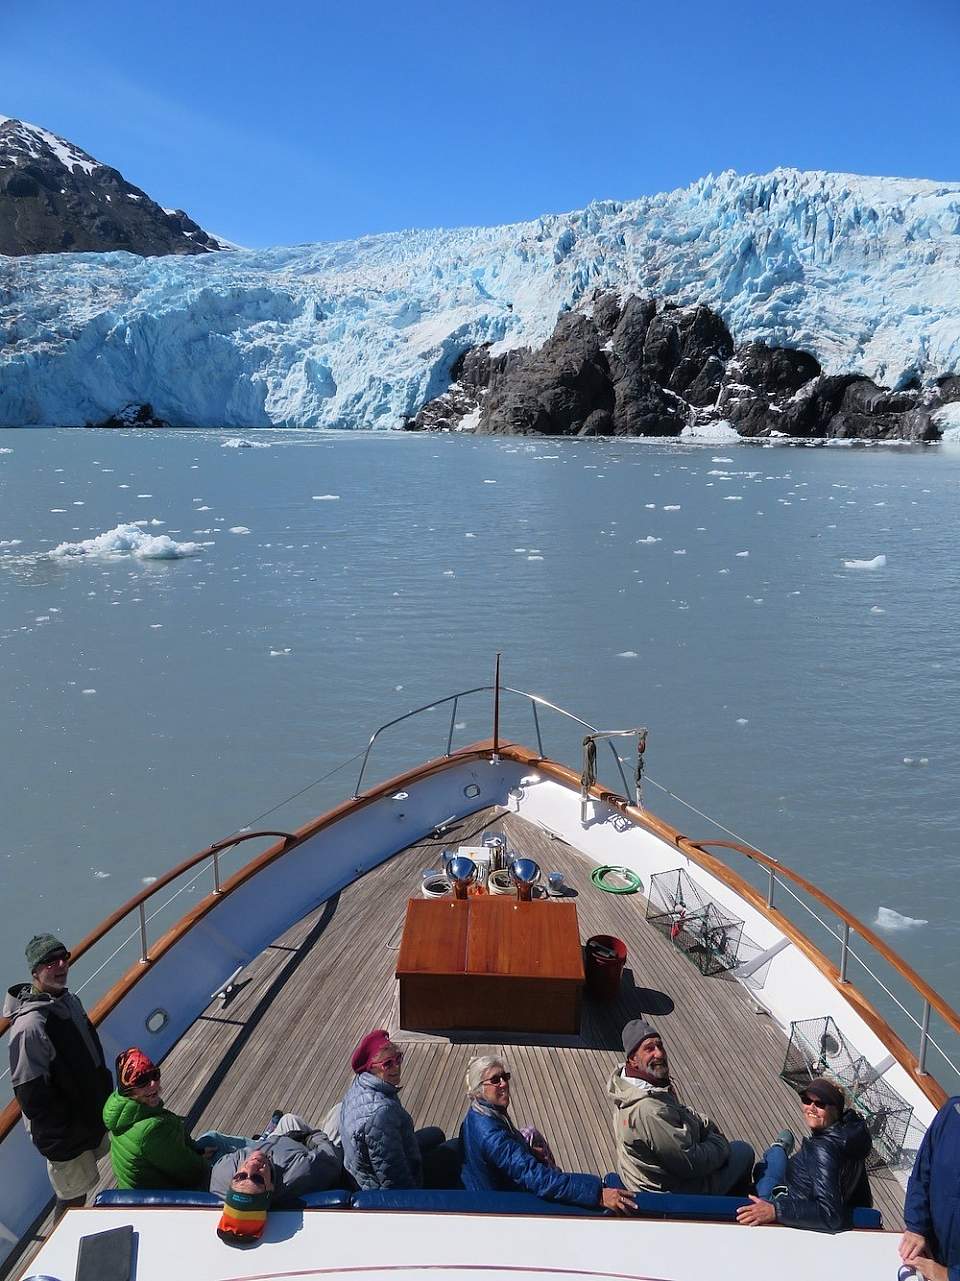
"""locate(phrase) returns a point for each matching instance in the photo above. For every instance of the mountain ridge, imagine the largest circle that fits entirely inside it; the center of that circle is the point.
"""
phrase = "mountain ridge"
(57, 198)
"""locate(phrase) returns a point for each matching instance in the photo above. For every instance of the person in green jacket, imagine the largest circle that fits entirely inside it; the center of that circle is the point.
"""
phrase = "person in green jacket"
(149, 1145)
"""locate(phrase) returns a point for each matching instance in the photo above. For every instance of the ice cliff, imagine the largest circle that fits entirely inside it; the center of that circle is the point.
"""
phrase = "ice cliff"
(862, 272)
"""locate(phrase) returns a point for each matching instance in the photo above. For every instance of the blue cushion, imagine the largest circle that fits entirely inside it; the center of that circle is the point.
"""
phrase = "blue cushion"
(155, 1196)
(332, 1199)
(459, 1201)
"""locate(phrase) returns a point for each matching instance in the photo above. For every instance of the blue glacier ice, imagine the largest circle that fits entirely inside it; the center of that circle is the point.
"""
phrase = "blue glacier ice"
(862, 272)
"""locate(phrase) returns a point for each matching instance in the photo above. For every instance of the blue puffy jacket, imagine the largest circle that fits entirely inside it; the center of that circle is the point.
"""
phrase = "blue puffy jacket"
(932, 1206)
(498, 1159)
(379, 1147)
(827, 1177)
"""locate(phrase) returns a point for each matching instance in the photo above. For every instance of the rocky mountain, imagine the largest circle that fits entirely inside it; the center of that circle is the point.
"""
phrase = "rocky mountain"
(56, 198)
(636, 369)
(808, 303)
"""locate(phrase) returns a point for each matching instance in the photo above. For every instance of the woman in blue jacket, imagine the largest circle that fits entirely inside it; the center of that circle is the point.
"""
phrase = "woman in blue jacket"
(818, 1187)
(498, 1158)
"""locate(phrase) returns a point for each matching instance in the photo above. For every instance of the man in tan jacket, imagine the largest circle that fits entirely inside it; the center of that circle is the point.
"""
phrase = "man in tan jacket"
(663, 1146)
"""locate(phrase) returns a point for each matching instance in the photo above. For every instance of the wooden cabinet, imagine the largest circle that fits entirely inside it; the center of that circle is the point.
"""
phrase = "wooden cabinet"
(490, 964)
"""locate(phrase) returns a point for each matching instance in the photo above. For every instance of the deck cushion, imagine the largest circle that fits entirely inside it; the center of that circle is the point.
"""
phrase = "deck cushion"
(155, 1196)
(458, 1201)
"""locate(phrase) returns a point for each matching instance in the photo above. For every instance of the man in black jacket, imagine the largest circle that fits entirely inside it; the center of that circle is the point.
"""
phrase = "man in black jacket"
(58, 1071)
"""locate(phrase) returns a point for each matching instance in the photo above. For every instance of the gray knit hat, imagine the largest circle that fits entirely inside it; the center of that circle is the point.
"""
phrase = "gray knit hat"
(43, 947)
(635, 1032)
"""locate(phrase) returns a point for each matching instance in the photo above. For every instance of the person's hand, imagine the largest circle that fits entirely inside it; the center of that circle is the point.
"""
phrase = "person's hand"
(617, 1200)
(912, 1245)
(757, 1213)
(929, 1270)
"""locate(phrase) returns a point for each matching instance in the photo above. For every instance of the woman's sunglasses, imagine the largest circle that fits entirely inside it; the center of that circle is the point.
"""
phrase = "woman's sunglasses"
(500, 1079)
(809, 1101)
(394, 1061)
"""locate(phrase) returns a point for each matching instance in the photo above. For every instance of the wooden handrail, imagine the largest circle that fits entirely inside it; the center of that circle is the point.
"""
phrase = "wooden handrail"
(289, 841)
(153, 888)
(930, 1086)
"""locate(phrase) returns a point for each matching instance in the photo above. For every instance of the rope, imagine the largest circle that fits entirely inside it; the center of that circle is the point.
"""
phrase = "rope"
(589, 775)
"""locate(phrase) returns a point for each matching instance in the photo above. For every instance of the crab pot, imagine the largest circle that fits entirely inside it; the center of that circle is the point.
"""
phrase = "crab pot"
(694, 922)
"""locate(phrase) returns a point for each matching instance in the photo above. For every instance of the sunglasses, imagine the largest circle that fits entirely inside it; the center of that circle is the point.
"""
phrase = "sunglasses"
(809, 1101)
(256, 1179)
(500, 1079)
(394, 1061)
(51, 961)
(146, 1078)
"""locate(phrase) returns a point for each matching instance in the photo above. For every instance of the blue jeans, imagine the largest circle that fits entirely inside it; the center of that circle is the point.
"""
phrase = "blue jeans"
(220, 1143)
(771, 1171)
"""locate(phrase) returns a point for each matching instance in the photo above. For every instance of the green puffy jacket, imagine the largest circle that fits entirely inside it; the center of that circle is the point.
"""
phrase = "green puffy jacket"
(150, 1147)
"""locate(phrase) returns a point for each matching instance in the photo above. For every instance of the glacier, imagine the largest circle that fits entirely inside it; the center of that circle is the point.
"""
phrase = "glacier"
(864, 273)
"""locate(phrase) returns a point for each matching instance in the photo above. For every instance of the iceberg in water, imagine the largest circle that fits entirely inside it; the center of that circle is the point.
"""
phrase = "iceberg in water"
(888, 919)
(862, 272)
(877, 562)
(125, 540)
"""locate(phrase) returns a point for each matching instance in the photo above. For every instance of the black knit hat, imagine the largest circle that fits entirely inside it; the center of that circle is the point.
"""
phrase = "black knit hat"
(44, 947)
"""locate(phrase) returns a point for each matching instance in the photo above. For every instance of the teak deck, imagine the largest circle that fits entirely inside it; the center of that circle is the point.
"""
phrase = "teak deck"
(284, 1039)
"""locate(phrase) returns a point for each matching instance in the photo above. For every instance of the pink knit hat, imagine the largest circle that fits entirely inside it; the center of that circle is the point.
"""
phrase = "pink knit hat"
(369, 1048)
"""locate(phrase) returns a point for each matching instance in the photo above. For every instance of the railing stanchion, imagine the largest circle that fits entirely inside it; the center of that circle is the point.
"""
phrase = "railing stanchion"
(216, 871)
(143, 936)
(844, 952)
(770, 884)
(453, 719)
(924, 1037)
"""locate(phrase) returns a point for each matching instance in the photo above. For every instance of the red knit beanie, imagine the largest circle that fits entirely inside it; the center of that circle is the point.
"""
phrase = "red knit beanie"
(369, 1048)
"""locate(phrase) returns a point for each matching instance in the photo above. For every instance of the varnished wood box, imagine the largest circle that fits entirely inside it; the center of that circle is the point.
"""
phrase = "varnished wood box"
(490, 963)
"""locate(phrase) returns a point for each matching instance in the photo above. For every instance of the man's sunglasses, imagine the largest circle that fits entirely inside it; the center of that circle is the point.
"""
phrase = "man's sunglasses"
(258, 1179)
(51, 961)
(500, 1079)
(394, 1061)
(147, 1078)
(809, 1101)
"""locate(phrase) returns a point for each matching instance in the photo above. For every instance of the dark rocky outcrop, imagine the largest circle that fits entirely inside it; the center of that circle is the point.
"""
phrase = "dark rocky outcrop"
(132, 415)
(632, 369)
(55, 198)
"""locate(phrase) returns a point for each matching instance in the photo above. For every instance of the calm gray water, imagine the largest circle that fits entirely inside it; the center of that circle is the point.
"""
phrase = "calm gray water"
(154, 706)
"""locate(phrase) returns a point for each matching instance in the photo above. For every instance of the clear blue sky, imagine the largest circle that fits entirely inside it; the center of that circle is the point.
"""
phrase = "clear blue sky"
(289, 121)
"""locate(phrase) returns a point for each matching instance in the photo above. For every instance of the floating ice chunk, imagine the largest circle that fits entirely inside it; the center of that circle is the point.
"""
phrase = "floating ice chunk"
(742, 554)
(489, 482)
(629, 653)
(534, 558)
(650, 506)
(680, 551)
(672, 507)
(100, 876)
(238, 529)
(888, 919)
(469, 535)
(88, 691)
(742, 720)
(238, 442)
(326, 498)
(4, 450)
(719, 433)
(876, 609)
(878, 562)
(147, 880)
(721, 460)
(733, 498)
(144, 495)
(649, 539)
(278, 653)
(449, 573)
(10, 542)
(127, 540)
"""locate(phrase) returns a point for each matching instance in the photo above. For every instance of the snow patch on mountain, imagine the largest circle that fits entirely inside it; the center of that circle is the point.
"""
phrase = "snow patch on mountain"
(862, 272)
